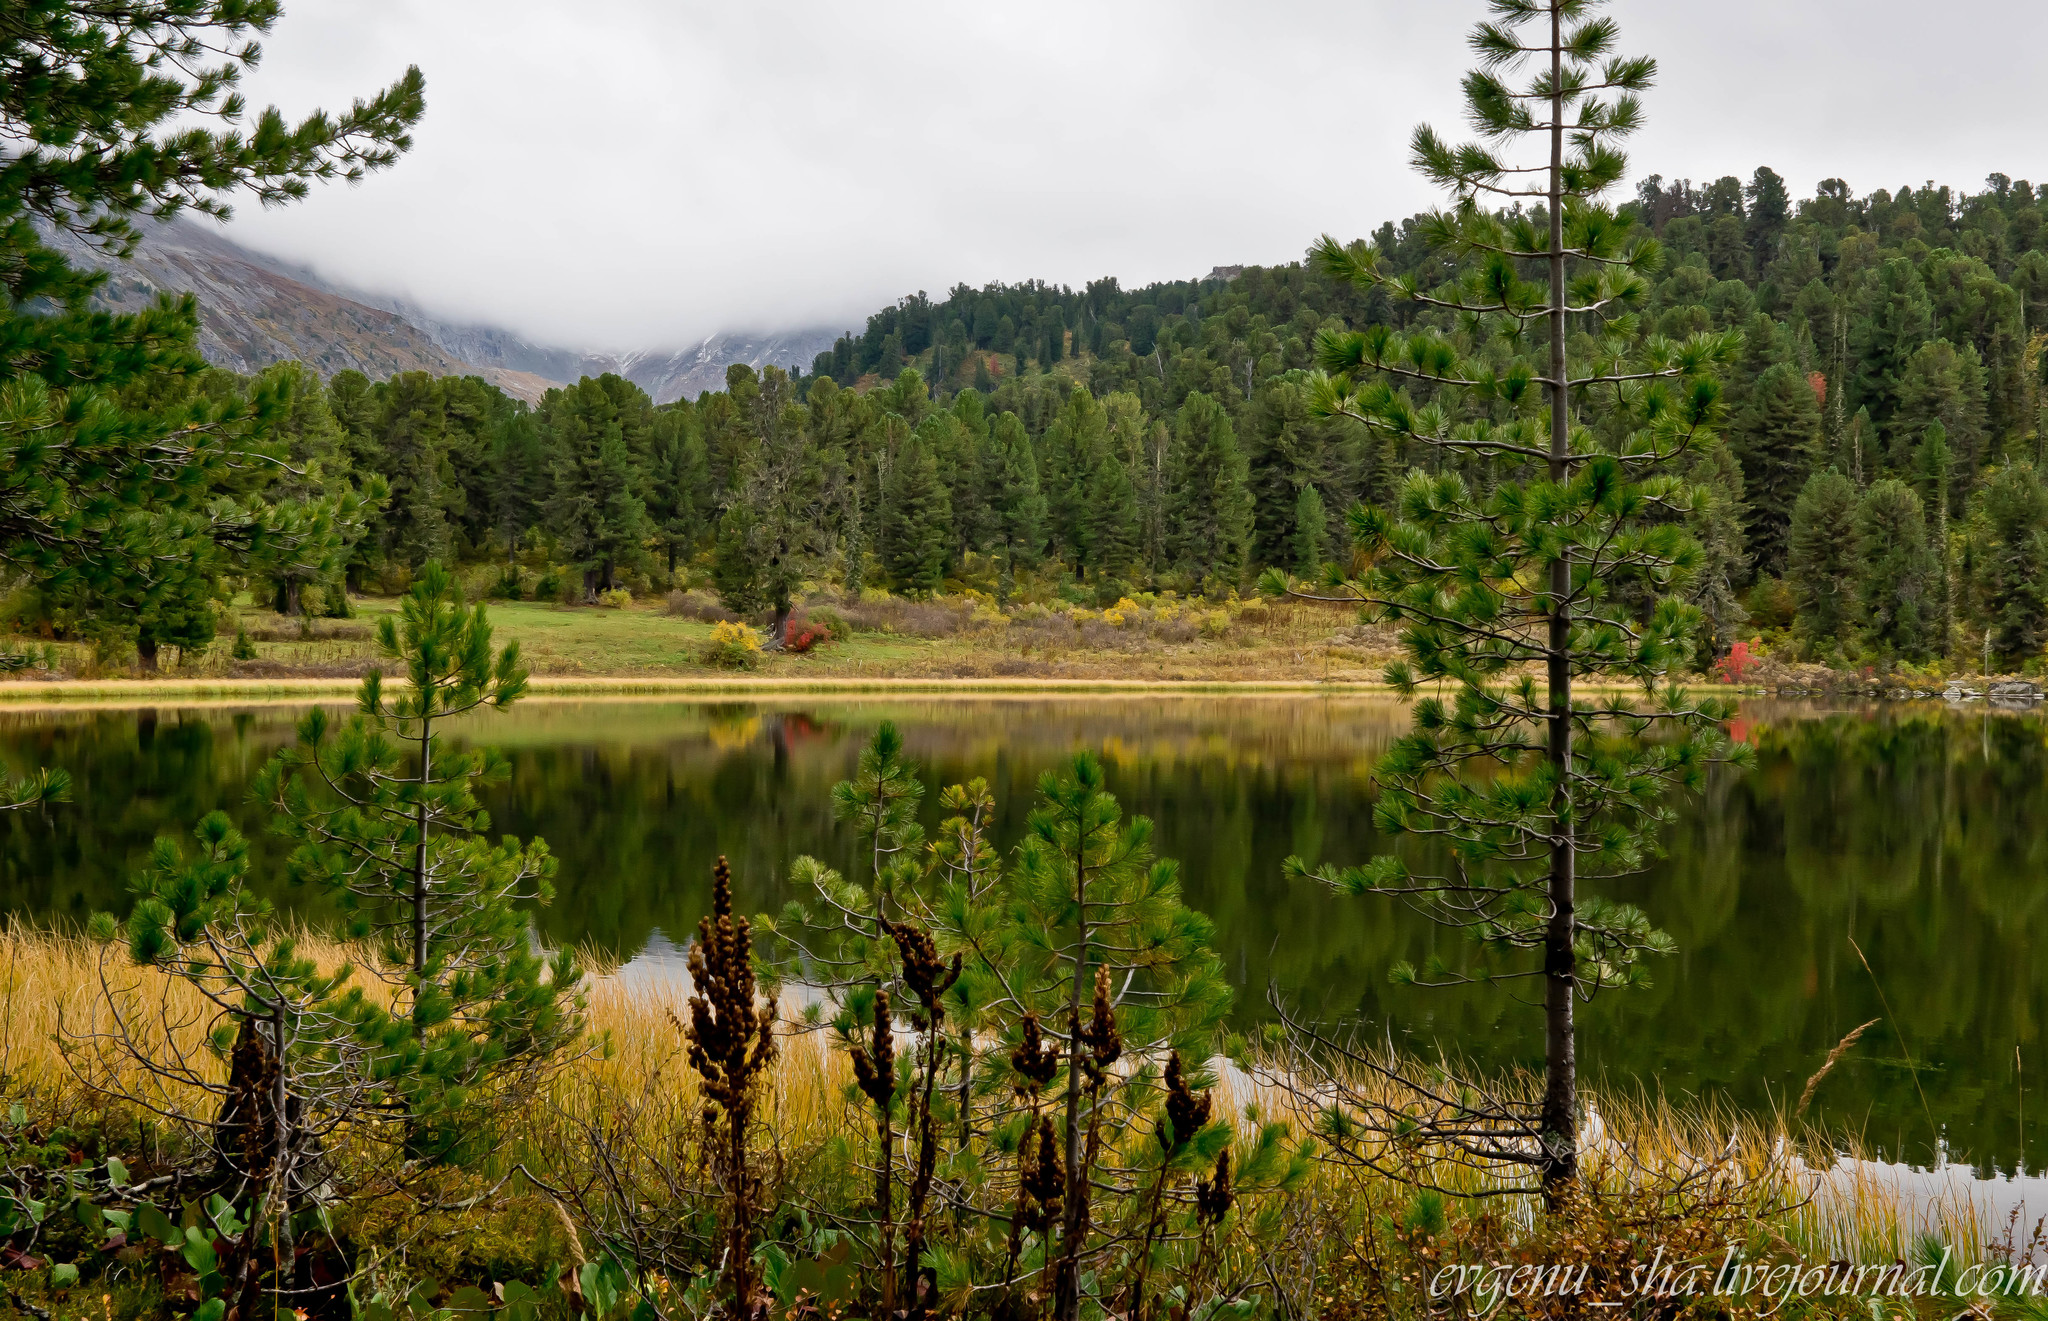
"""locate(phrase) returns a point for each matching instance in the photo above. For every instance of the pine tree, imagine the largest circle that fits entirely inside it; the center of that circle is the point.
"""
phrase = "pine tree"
(594, 507)
(315, 470)
(388, 827)
(1897, 572)
(1069, 452)
(117, 114)
(1822, 558)
(1007, 953)
(917, 531)
(1089, 900)
(1716, 524)
(411, 443)
(771, 535)
(1112, 530)
(1778, 439)
(853, 543)
(2009, 559)
(1019, 506)
(1933, 470)
(1209, 510)
(679, 480)
(292, 1036)
(1894, 318)
(519, 473)
(1942, 384)
(1311, 532)
(1530, 795)
(1769, 211)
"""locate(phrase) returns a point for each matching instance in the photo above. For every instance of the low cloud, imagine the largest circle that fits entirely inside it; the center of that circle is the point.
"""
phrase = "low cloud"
(643, 173)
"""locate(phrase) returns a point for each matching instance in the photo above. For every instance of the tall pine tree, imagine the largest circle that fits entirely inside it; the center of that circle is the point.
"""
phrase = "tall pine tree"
(1209, 509)
(1822, 557)
(595, 507)
(917, 529)
(1777, 436)
(1897, 572)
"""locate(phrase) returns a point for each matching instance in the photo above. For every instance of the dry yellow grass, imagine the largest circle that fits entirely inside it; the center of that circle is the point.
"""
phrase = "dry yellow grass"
(61, 993)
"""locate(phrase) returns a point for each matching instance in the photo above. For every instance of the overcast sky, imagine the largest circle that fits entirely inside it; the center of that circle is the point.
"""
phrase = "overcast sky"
(627, 174)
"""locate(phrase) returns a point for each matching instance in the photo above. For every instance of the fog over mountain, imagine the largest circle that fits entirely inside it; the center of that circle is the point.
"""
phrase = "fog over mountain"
(255, 309)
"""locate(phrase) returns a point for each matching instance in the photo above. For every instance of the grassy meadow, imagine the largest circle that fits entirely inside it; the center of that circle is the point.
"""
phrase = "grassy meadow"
(878, 638)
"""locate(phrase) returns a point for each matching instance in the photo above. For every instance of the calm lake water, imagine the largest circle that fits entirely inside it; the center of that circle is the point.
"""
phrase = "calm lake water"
(1920, 832)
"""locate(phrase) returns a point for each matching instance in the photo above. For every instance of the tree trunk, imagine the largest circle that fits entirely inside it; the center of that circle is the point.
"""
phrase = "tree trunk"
(885, 1141)
(1559, 1120)
(420, 889)
(1066, 1284)
(145, 650)
(778, 632)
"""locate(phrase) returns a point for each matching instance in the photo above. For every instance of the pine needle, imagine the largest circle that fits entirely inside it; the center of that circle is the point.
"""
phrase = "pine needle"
(1827, 1066)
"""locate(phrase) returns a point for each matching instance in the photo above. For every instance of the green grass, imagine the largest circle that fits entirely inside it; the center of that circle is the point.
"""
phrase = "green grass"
(642, 648)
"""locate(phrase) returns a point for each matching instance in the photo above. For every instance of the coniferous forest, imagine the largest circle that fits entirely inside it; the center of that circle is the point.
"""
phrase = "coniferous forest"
(1876, 494)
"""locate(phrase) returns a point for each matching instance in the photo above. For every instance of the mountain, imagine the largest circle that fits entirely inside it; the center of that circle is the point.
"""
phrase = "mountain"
(255, 310)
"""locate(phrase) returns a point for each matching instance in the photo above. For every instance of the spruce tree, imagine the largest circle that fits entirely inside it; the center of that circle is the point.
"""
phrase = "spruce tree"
(917, 530)
(1897, 574)
(1822, 558)
(1778, 438)
(1533, 791)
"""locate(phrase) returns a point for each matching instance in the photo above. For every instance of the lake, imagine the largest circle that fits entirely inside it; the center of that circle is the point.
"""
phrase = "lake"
(1913, 829)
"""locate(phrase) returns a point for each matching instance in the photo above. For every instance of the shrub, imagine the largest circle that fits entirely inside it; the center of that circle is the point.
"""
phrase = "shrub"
(802, 637)
(245, 646)
(1736, 663)
(618, 598)
(700, 606)
(733, 646)
(549, 587)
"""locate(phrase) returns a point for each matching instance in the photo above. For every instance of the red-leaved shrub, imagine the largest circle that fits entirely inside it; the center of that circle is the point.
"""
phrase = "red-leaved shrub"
(1736, 662)
(802, 637)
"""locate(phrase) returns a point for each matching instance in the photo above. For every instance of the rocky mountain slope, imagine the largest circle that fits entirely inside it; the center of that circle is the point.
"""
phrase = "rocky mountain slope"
(255, 310)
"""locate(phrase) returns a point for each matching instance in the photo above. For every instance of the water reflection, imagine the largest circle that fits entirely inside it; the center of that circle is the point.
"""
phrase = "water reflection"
(1911, 829)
